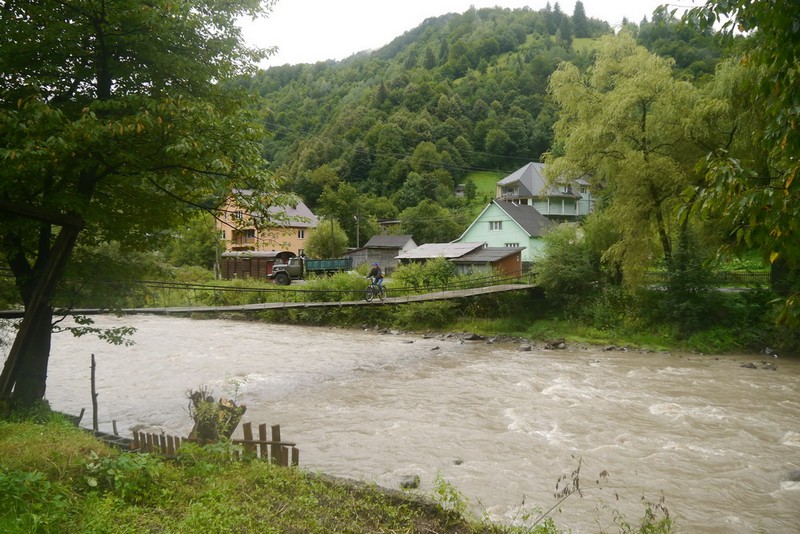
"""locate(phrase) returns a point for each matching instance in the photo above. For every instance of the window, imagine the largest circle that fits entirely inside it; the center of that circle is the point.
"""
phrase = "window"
(222, 234)
(250, 233)
(301, 234)
(238, 215)
(565, 189)
(512, 245)
(584, 190)
(495, 225)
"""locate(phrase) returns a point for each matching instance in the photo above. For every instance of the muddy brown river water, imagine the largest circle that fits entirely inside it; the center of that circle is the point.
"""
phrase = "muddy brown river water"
(714, 439)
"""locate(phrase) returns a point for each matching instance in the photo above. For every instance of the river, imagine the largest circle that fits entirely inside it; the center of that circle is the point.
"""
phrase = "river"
(714, 439)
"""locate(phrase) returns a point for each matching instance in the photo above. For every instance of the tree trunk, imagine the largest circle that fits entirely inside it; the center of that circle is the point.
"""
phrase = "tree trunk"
(30, 374)
(661, 225)
(24, 376)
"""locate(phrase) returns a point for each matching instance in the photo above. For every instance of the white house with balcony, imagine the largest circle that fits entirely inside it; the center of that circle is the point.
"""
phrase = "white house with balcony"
(527, 186)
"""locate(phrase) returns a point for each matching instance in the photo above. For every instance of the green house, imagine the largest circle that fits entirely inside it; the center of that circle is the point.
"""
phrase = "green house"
(506, 224)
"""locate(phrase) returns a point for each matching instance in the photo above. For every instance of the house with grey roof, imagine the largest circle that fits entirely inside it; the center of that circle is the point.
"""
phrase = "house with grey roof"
(429, 251)
(528, 186)
(469, 257)
(382, 249)
(504, 224)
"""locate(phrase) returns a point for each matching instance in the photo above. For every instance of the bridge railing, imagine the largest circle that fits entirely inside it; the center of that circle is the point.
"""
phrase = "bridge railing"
(157, 294)
(458, 283)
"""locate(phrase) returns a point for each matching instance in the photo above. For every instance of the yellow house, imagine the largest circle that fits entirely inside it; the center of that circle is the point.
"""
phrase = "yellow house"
(284, 227)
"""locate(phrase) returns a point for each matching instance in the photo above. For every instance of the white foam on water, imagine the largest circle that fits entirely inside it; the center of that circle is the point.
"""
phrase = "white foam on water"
(791, 438)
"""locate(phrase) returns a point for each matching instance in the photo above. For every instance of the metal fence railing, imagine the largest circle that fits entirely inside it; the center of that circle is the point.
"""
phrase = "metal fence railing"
(721, 278)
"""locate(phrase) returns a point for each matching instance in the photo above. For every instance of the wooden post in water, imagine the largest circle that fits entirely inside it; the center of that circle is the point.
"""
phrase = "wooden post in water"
(247, 430)
(262, 436)
(277, 455)
(94, 398)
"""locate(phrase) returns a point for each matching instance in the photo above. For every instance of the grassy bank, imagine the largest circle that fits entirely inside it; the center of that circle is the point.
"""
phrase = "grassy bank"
(57, 478)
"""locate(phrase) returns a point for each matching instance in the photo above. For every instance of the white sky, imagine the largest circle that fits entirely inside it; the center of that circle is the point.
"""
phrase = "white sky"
(307, 31)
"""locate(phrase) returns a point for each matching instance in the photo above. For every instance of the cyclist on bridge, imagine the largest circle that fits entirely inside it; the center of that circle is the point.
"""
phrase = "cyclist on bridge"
(376, 274)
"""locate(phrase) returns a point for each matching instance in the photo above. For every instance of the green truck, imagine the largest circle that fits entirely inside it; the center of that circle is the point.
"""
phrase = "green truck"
(299, 267)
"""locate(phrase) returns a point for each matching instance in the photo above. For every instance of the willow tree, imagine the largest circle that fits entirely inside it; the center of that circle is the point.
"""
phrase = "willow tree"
(116, 124)
(622, 122)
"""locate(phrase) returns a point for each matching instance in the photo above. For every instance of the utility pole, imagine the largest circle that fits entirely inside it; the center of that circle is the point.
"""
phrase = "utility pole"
(357, 217)
(332, 244)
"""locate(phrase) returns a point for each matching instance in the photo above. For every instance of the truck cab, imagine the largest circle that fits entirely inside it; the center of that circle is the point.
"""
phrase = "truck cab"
(284, 273)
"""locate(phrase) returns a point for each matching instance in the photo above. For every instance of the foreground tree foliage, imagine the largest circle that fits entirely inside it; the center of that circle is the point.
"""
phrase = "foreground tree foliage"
(114, 128)
(760, 198)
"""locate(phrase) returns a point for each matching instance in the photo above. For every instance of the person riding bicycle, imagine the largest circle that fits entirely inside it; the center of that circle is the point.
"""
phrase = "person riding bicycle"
(376, 274)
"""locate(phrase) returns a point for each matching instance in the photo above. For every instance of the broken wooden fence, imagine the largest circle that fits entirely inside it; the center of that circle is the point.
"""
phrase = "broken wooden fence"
(271, 449)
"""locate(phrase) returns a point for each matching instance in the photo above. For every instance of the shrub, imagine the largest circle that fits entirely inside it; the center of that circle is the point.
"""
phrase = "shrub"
(437, 272)
(192, 274)
(337, 287)
(447, 497)
(213, 420)
(566, 272)
(713, 340)
(130, 476)
(425, 315)
(690, 300)
(31, 502)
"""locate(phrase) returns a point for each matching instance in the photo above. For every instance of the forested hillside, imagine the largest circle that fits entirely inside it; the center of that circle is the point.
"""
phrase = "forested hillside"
(380, 132)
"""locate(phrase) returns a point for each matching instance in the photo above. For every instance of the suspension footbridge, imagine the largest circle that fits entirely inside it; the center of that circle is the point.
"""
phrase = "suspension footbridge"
(288, 298)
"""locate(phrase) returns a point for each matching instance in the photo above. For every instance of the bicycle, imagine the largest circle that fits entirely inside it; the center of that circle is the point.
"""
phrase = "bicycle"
(374, 290)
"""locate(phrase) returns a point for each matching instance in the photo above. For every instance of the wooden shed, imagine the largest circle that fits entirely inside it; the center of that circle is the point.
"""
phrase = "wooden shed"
(469, 257)
(505, 260)
(382, 249)
(251, 263)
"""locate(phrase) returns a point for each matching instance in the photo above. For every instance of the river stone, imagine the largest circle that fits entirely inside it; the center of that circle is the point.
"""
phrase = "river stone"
(793, 476)
(556, 344)
(525, 348)
(410, 482)
(472, 337)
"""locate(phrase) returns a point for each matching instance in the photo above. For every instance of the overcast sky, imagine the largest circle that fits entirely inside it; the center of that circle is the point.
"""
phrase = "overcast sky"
(307, 31)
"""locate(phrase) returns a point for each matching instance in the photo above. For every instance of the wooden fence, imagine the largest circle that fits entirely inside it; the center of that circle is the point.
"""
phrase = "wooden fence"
(271, 449)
